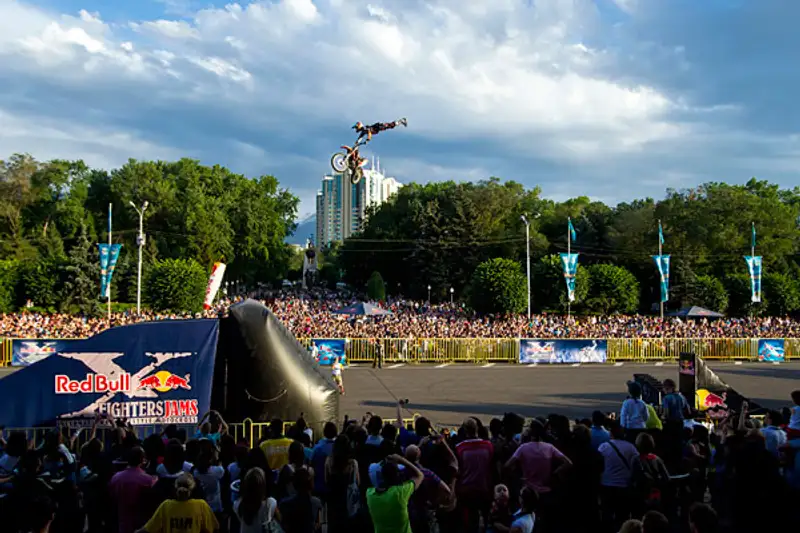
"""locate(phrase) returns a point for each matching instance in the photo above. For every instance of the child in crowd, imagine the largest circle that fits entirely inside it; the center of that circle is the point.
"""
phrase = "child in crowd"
(500, 513)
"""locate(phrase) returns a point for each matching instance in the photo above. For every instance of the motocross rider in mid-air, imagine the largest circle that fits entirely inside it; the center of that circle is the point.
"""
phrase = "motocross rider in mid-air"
(374, 129)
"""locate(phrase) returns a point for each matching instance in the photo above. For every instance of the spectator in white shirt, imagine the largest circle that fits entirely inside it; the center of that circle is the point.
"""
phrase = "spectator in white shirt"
(619, 457)
(774, 436)
(634, 415)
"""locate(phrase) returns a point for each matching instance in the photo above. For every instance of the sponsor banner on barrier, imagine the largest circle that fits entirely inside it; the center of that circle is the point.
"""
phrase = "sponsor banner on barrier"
(25, 352)
(326, 350)
(563, 351)
(149, 373)
(771, 350)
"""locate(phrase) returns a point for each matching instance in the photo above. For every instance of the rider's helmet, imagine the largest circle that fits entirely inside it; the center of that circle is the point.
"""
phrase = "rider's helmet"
(358, 126)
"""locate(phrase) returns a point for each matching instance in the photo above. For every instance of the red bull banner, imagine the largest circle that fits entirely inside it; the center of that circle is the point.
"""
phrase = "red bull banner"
(149, 373)
(214, 283)
(26, 352)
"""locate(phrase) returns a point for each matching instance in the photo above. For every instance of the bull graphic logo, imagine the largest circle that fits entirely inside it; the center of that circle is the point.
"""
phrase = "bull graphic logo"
(708, 400)
(164, 381)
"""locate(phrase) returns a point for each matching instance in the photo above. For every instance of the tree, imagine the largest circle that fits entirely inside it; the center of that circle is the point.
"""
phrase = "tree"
(783, 292)
(549, 288)
(739, 294)
(40, 282)
(376, 291)
(9, 277)
(82, 280)
(498, 286)
(612, 289)
(709, 292)
(176, 285)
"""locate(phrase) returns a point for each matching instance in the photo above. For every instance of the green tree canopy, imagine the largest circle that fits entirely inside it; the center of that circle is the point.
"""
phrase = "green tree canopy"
(612, 289)
(498, 286)
(376, 290)
(176, 285)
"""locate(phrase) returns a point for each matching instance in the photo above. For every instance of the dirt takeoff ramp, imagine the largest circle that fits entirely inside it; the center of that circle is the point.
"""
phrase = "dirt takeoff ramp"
(712, 395)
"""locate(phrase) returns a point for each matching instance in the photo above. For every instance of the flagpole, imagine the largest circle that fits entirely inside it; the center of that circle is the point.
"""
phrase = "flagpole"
(108, 285)
(569, 256)
(660, 252)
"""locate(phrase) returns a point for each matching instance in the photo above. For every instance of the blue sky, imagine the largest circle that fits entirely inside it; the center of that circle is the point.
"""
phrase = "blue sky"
(614, 99)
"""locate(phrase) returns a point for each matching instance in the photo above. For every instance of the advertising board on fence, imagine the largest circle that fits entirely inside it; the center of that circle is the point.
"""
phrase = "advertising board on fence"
(25, 352)
(771, 350)
(563, 351)
(326, 350)
(149, 373)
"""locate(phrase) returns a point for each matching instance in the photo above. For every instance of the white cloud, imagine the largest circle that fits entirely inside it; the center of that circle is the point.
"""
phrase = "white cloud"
(531, 77)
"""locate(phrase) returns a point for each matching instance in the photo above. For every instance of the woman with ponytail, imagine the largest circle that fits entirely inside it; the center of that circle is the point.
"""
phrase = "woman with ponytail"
(183, 514)
(255, 508)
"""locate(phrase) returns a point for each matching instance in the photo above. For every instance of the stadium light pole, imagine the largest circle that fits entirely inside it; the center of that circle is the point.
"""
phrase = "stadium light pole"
(528, 258)
(452, 290)
(429, 294)
(140, 243)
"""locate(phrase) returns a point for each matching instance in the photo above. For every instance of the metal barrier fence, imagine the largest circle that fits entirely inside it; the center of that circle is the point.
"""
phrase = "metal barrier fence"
(506, 350)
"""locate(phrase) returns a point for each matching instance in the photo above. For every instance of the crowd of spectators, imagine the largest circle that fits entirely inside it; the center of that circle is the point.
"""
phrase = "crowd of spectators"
(651, 470)
(311, 317)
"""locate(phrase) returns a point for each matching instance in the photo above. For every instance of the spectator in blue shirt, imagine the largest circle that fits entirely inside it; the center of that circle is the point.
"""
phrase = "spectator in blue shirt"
(674, 403)
(320, 454)
(599, 433)
(774, 436)
(634, 412)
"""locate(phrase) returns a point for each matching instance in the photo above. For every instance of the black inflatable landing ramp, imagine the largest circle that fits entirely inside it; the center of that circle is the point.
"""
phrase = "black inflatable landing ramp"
(262, 372)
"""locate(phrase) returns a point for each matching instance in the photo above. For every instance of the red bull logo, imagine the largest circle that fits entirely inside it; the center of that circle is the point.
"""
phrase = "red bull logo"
(708, 400)
(93, 383)
(164, 381)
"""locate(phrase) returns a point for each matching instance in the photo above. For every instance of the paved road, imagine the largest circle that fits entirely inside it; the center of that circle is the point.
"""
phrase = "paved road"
(447, 394)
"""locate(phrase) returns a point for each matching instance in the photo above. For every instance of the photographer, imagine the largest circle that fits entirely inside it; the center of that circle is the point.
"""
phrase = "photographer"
(388, 503)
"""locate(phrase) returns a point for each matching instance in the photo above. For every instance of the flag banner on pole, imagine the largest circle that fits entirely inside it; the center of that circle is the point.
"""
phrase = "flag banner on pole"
(113, 256)
(570, 262)
(754, 267)
(662, 262)
(572, 234)
(105, 251)
(660, 234)
(753, 236)
(214, 283)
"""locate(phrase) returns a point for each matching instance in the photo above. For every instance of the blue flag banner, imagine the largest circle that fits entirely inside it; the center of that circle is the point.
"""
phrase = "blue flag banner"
(25, 352)
(660, 234)
(148, 373)
(754, 268)
(105, 252)
(326, 350)
(570, 262)
(571, 228)
(771, 350)
(113, 256)
(533, 351)
(753, 236)
(662, 262)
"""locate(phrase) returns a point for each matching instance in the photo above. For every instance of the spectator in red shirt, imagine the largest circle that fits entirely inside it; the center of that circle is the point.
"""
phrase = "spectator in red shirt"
(474, 487)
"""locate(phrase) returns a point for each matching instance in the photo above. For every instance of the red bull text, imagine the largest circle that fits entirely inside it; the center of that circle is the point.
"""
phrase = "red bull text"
(92, 384)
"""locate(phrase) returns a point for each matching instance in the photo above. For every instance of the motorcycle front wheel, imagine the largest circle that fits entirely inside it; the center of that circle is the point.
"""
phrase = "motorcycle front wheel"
(356, 175)
(339, 162)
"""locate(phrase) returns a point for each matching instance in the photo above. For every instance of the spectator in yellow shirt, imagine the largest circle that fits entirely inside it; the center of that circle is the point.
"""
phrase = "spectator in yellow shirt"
(183, 514)
(276, 448)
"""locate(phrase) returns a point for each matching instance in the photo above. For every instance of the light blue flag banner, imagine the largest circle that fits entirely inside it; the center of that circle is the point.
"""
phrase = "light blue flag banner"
(662, 262)
(571, 228)
(109, 254)
(753, 236)
(754, 268)
(660, 234)
(570, 262)
(105, 251)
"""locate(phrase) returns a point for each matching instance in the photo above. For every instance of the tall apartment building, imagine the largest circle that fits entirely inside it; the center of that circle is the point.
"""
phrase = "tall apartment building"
(341, 205)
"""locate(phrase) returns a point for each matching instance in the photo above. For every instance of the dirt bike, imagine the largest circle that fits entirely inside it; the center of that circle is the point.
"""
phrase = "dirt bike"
(350, 160)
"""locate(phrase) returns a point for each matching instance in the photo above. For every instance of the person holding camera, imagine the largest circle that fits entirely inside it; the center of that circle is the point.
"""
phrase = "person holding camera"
(388, 502)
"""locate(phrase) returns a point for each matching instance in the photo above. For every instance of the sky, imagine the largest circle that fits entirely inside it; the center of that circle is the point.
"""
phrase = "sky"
(614, 99)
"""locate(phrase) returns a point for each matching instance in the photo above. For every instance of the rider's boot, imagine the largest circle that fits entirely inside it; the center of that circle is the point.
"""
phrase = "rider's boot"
(403, 121)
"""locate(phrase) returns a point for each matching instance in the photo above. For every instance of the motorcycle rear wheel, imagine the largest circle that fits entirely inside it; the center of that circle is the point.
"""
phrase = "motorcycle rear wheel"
(356, 175)
(339, 162)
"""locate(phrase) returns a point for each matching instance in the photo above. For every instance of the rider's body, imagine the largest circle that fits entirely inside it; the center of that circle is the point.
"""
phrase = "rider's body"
(373, 129)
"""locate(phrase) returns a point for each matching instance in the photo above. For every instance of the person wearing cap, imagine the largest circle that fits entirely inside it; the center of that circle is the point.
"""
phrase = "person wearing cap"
(388, 499)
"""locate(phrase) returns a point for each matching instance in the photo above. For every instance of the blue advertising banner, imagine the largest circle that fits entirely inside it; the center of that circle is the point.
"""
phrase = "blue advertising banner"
(326, 350)
(563, 351)
(662, 262)
(25, 352)
(570, 262)
(771, 350)
(149, 373)
(754, 269)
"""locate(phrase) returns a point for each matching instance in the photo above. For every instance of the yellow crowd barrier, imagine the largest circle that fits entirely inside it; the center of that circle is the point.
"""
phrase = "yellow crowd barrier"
(506, 350)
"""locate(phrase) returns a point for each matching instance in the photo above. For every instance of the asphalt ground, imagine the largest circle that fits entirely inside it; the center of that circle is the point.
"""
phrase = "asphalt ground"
(446, 394)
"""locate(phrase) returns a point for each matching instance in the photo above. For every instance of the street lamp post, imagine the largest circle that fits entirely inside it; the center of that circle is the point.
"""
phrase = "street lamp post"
(452, 290)
(528, 259)
(140, 243)
(429, 294)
